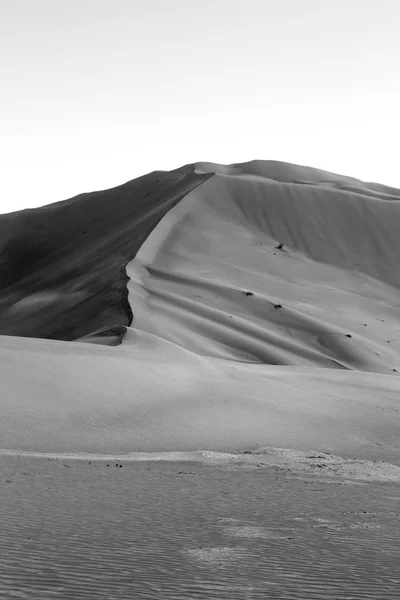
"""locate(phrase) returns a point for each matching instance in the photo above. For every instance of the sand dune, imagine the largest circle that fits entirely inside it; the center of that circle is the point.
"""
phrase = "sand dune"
(257, 305)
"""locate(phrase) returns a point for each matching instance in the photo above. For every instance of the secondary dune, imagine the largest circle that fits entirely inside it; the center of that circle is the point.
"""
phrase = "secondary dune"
(257, 305)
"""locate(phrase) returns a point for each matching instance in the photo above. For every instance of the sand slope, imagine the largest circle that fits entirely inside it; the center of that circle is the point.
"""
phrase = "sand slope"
(234, 343)
(217, 277)
(149, 395)
(62, 266)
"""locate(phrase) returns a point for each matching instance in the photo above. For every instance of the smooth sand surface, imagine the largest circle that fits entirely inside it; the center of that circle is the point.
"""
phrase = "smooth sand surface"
(264, 304)
(149, 395)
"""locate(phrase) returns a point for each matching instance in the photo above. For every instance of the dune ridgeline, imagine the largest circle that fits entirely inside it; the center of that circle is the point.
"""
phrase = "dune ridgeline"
(207, 308)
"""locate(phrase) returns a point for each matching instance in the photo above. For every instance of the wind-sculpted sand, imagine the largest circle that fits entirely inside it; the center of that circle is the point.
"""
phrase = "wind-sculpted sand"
(243, 319)
(193, 529)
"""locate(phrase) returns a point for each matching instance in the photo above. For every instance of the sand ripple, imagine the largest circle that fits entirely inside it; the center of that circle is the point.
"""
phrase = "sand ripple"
(179, 530)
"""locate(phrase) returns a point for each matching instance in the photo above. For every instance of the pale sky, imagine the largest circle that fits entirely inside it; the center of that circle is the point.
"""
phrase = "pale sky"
(97, 92)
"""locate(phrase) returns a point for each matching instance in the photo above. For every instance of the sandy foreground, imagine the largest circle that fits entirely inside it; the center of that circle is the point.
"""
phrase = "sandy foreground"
(243, 320)
(185, 528)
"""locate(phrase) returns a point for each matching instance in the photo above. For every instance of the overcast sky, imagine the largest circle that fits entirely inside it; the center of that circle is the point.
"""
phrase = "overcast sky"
(97, 92)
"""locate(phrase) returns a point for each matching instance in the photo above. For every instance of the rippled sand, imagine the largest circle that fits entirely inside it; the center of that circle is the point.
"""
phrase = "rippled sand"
(185, 529)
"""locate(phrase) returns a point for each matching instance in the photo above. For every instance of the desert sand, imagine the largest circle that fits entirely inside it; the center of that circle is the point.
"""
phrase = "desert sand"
(214, 321)
(229, 307)
(190, 530)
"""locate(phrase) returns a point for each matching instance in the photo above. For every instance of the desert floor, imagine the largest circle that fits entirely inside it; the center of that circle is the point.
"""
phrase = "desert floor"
(208, 526)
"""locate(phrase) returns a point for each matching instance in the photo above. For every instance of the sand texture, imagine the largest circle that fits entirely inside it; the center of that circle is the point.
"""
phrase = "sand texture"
(199, 389)
(193, 531)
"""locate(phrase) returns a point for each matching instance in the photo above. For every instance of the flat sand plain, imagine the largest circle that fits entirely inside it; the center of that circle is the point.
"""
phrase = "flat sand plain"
(196, 527)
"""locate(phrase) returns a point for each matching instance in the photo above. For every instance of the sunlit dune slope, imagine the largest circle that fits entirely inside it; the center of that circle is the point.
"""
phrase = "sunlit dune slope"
(62, 266)
(257, 306)
(214, 277)
(150, 395)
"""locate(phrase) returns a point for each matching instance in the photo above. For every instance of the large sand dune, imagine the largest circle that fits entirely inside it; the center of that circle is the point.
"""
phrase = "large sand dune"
(229, 339)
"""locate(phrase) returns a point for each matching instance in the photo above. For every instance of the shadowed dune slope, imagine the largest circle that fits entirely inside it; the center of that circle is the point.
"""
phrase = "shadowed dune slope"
(62, 266)
(265, 312)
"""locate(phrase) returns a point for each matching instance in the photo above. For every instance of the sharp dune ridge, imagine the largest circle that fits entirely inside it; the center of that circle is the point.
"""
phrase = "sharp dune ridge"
(62, 266)
(217, 307)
